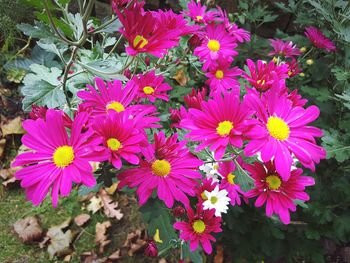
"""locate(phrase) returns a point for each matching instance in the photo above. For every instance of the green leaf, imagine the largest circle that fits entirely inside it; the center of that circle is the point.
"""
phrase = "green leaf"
(76, 23)
(60, 24)
(195, 256)
(242, 178)
(107, 69)
(336, 148)
(346, 97)
(39, 30)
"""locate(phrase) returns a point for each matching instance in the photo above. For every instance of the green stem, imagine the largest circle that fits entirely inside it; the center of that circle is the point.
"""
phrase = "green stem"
(115, 46)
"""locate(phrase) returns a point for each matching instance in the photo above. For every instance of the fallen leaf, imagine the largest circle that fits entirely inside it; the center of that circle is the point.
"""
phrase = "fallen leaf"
(135, 241)
(180, 77)
(162, 260)
(111, 190)
(219, 257)
(109, 206)
(115, 255)
(2, 146)
(13, 126)
(9, 183)
(67, 258)
(60, 240)
(101, 238)
(28, 229)
(80, 220)
(91, 257)
(5, 174)
(95, 204)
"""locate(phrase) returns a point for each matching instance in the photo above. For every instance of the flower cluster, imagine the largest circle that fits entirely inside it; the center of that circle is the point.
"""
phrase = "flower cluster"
(259, 131)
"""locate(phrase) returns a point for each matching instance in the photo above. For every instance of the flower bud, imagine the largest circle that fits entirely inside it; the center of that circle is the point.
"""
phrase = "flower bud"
(38, 112)
(178, 211)
(151, 249)
(127, 73)
(147, 61)
(310, 62)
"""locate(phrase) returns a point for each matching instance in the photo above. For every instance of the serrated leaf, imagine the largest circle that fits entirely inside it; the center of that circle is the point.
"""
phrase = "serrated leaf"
(76, 23)
(243, 179)
(107, 69)
(38, 30)
(333, 142)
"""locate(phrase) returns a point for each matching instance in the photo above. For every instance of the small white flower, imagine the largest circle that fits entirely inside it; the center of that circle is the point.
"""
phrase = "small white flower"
(210, 170)
(218, 200)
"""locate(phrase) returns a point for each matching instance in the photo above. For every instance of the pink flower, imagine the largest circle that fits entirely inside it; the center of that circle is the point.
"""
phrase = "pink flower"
(293, 67)
(176, 115)
(119, 4)
(169, 167)
(195, 98)
(216, 43)
(278, 194)
(262, 76)
(199, 228)
(145, 32)
(150, 86)
(282, 131)
(120, 137)
(226, 170)
(56, 160)
(283, 49)
(199, 13)
(222, 121)
(318, 39)
(222, 78)
(38, 112)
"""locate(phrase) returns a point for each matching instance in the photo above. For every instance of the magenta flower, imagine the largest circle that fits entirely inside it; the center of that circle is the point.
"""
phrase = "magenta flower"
(195, 98)
(169, 167)
(222, 121)
(282, 131)
(226, 170)
(293, 67)
(262, 75)
(318, 39)
(222, 78)
(216, 43)
(56, 160)
(150, 86)
(283, 49)
(176, 115)
(145, 32)
(278, 194)
(199, 228)
(199, 14)
(120, 137)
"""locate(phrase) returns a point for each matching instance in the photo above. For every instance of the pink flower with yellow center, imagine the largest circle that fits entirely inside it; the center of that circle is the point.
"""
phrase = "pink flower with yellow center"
(120, 137)
(198, 13)
(56, 160)
(150, 86)
(283, 49)
(227, 171)
(222, 78)
(169, 167)
(278, 194)
(199, 228)
(222, 121)
(216, 43)
(208, 184)
(318, 39)
(282, 131)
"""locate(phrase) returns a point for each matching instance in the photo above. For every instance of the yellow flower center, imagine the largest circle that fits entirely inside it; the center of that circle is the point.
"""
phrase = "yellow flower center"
(224, 128)
(148, 90)
(115, 105)
(216, 166)
(199, 18)
(139, 39)
(114, 144)
(161, 167)
(63, 156)
(273, 181)
(230, 178)
(290, 73)
(278, 128)
(198, 226)
(213, 200)
(260, 82)
(204, 196)
(213, 45)
(219, 74)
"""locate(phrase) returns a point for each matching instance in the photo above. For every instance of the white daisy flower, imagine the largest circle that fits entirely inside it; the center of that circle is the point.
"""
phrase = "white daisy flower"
(210, 170)
(218, 200)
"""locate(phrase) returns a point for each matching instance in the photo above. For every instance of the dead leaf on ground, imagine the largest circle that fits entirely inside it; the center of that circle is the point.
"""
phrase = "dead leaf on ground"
(135, 241)
(180, 77)
(80, 220)
(2, 146)
(111, 190)
(162, 260)
(13, 126)
(91, 257)
(10, 183)
(95, 204)
(60, 239)
(101, 238)
(109, 206)
(115, 255)
(219, 257)
(28, 229)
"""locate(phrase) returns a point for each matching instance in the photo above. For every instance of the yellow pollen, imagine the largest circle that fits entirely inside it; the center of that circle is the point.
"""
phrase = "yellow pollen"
(115, 105)
(204, 196)
(63, 156)
(274, 59)
(230, 178)
(198, 226)
(213, 45)
(278, 128)
(273, 181)
(213, 200)
(260, 82)
(161, 167)
(290, 73)
(199, 18)
(216, 166)
(219, 74)
(139, 39)
(114, 144)
(148, 90)
(224, 128)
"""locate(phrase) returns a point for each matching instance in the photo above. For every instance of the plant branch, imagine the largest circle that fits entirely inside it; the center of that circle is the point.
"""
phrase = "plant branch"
(66, 71)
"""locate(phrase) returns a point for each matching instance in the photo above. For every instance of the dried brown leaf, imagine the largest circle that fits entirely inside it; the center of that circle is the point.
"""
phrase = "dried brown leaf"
(28, 229)
(95, 204)
(219, 257)
(60, 239)
(80, 220)
(109, 206)
(135, 241)
(9, 183)
(115, 255)
(180, 77)
(111, 190)
(101, 238)
(91, 257)
(13, 126)
(2, 146)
